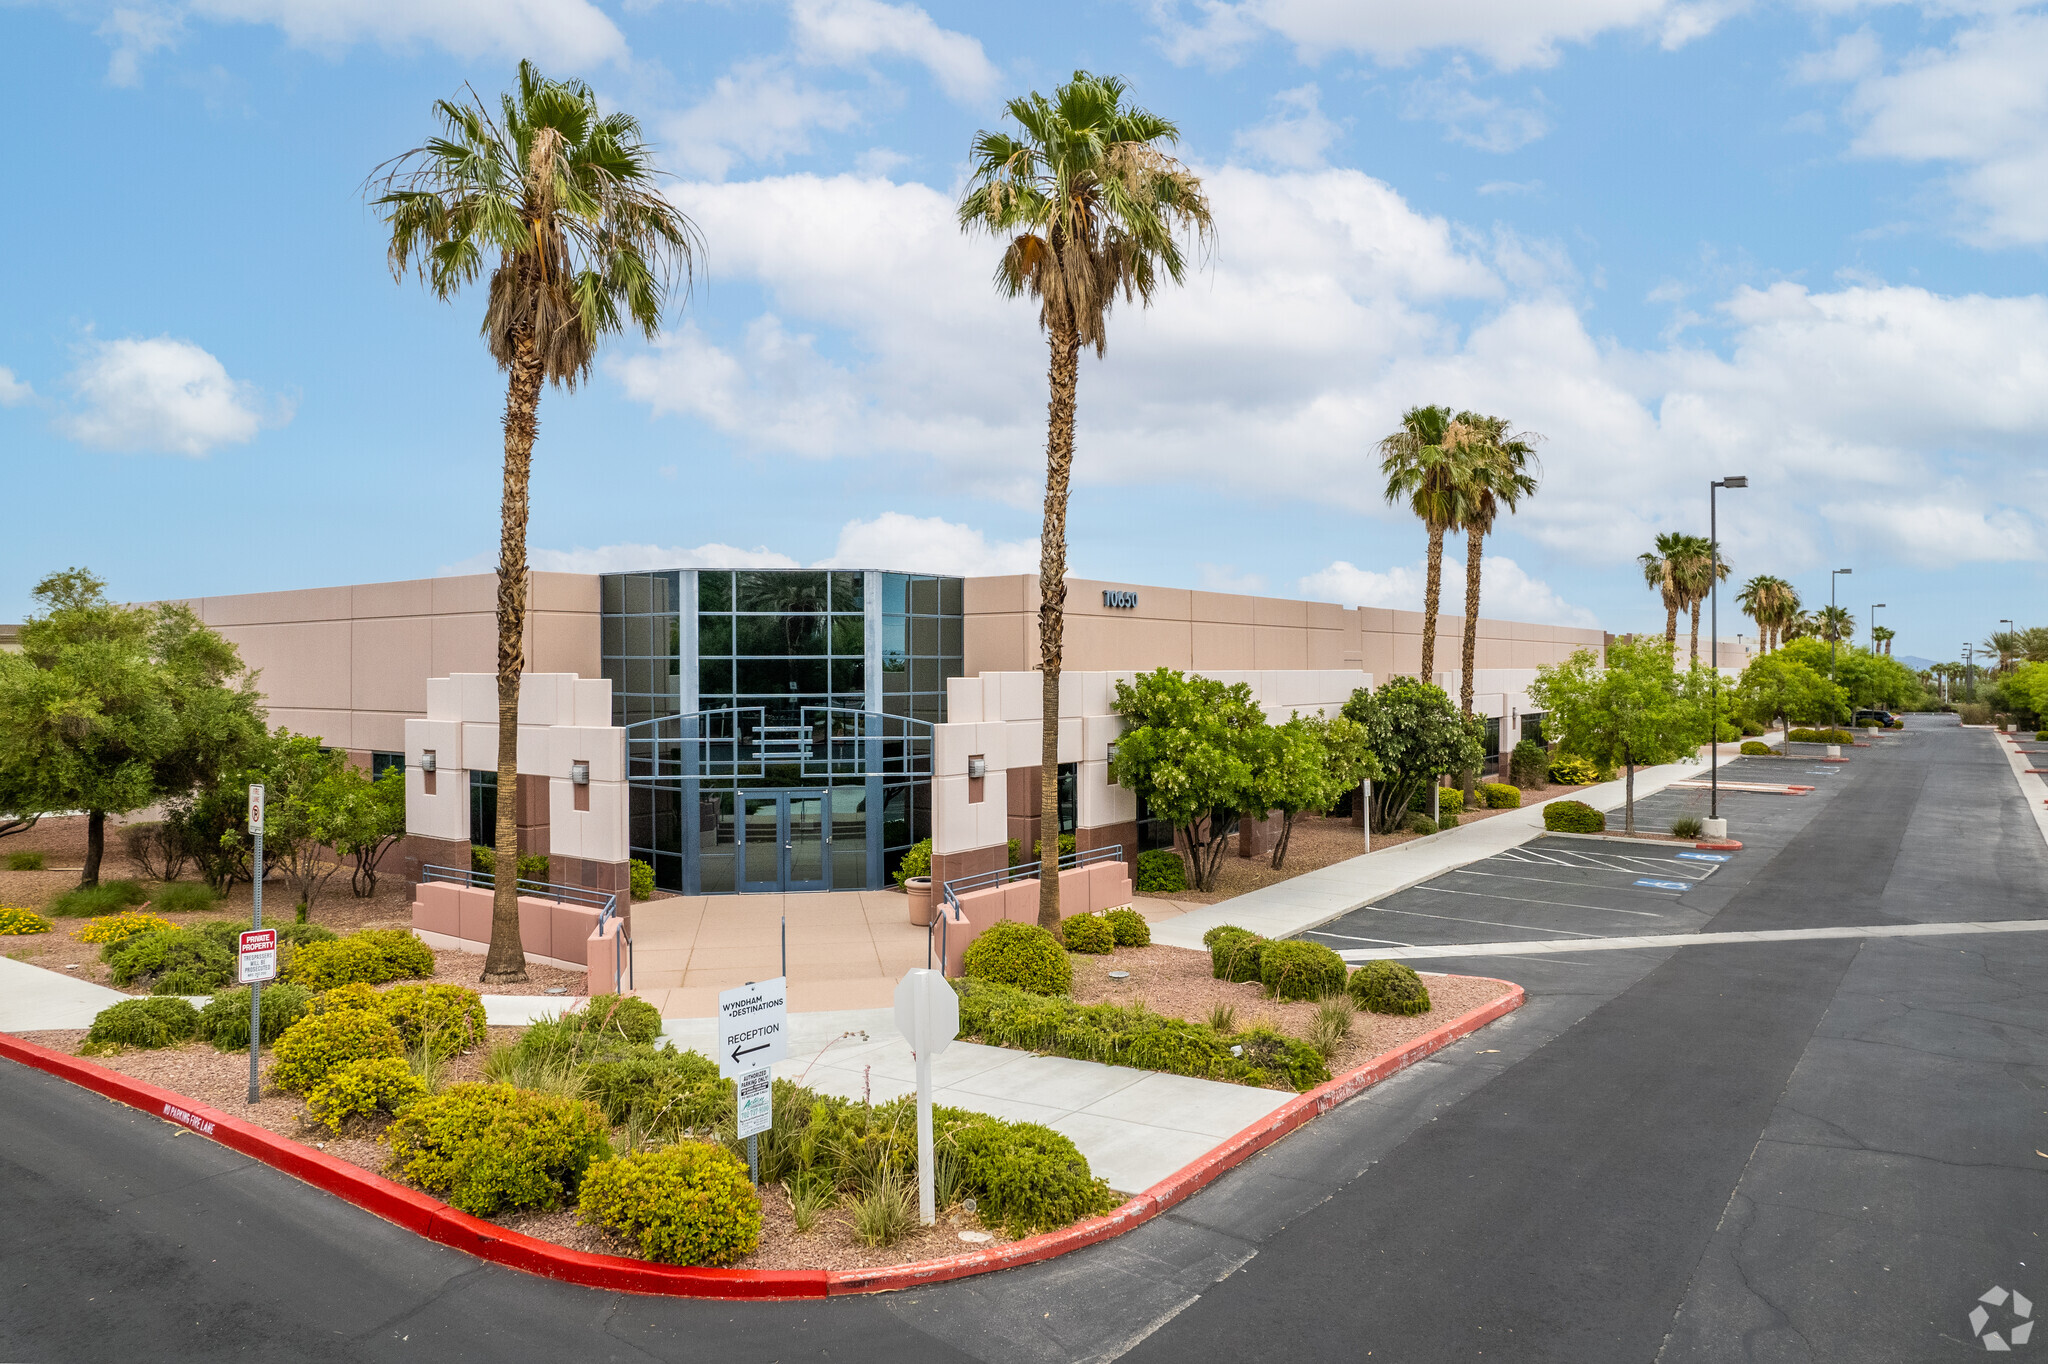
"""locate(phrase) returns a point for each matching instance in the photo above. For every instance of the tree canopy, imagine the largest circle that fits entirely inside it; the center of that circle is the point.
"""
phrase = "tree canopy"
(1309, 765)
(1781, 687)
(1636, 710)
(1193, 748)
(1415, 733)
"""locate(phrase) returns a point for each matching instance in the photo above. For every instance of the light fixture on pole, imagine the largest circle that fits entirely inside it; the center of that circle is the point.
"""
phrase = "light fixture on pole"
(1716, 827)
(1833, 633)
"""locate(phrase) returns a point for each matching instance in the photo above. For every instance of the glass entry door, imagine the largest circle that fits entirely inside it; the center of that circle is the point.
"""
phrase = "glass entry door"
(784, 842)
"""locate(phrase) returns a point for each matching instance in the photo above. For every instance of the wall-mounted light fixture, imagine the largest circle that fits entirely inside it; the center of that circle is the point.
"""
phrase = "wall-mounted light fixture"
(579, 774)
(977, 768)
(427, 761)
(1112, 753)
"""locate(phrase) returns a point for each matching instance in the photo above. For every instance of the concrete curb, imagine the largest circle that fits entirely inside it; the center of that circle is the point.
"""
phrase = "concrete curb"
(436, 1221)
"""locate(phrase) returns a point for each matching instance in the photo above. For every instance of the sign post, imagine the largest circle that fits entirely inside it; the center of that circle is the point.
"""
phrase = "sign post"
(255, 983)
(928, 1016)
(753, 1034)
(1367, 821)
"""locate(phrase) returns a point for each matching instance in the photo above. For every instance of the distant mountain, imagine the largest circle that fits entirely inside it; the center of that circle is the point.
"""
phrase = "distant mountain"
(1915, 662)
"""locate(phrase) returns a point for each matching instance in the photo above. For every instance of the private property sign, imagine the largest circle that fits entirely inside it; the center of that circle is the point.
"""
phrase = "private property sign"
(753, 1026)
(256, 963)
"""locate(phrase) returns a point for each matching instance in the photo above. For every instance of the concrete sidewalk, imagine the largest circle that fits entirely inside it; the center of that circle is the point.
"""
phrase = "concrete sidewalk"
(1316, 897)
(32, 997)
(1135, 1126)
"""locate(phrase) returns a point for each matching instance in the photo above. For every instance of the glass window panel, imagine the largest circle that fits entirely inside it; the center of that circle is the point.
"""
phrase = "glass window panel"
(849, 635)
(949, 596)
(714, 875)
(714, 677)
(709, 701)
(668, 872)
(849, 675)
(924, 636)
(639, 636)
(662, 593)
(894, 639)
(924, 674)
(611, 594)
(896, 817)
(779, 636)
(893, 594)
(929, 707)
(714, 590)
(781, 676)
(637, 600)
(846, 591)
(895, 680)
(949, 636)
(614, 637)
(714, 636)
(674, 648)
(639, 675)
(924, 596)
(770, 590)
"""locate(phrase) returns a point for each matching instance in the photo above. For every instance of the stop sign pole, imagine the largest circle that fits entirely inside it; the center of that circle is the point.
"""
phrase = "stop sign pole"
(256, 921)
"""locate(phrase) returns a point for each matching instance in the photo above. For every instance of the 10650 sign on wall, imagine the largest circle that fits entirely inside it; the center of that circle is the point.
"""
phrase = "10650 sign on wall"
(1121, 599)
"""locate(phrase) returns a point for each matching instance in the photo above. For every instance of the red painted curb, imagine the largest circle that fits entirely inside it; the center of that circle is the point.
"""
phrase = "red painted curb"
(1723, 845)
(438, 1222)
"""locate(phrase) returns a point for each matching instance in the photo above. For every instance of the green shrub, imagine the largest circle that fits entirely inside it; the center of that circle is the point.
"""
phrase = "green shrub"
(617, 1016)
(1088, 933)
(917, 861)
(372, 957)
(148, 1023)
(492, 1148)
(16, 921)
(1020, 955)
(172, 961)
(1573, 817)
(1529, 763)
(183, 897)
(1388, 987)
(1573, 771)
(444, 1020)
(1066, 846)
(1449, 821)
(361, 1090)
(1016, 852)
(1161, 872)
(1498, 795)
(1234, 953)
(1132, 1035)
(2042, 737)
(25, 861)
(1031, 1178)
(1423, 824)
(1820, 736)
(1449, 799)
(1291, 969)
(108, 897)
(688, 1204)
(115, 929)
(1687, 826)
(1754, 748)
(319, 1042)
(1751, 729)
(225, 1019)
(672, 1092)
(640, 875)
(355, 995)
(1130, 927)
(528, 867)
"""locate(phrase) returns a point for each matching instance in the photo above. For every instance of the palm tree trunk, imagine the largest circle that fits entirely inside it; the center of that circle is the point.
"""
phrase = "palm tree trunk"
(1695, 634)
(1671, 627)
(1064, 377)
(1431, 591)
(1475, 542)
(506, 961)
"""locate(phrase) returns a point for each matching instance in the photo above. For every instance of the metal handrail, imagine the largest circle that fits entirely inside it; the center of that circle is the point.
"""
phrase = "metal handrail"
(952, 890)
(604, 901)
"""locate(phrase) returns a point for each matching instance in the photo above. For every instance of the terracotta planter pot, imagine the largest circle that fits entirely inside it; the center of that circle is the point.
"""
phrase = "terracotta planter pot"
(919, 891)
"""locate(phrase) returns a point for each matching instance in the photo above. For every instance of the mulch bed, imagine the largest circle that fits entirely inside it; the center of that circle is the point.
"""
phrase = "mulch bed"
(1176, 982)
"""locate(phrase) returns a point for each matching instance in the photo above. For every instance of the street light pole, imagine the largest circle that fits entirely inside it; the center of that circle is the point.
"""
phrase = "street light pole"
(1717, 830)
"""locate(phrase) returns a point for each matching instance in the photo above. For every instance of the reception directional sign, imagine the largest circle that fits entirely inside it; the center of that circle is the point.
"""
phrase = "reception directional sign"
(753, 1026)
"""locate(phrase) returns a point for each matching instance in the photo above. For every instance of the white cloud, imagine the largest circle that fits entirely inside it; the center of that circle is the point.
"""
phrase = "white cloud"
(1853, 56)
(1940, 529)
(562, 35)
(928, 544)
(847, 32)
(1296, 134)
(163, 394)
(1507, 33)
(134, 34)
(1226, 578)
(1512, 187)
(1981, 105)
(627, 559)
(1506, 591)
(13, 390)
(1487, 123)
(758, 111)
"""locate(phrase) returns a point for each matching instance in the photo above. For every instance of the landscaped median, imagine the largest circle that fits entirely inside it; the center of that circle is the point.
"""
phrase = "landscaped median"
(439, 1221)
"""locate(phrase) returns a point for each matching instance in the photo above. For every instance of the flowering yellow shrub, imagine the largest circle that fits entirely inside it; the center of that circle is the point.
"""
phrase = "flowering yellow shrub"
(363, 1089)
(15, 920)
(120, 927)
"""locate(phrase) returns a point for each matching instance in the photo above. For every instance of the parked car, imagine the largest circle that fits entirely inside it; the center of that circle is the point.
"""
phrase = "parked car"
(1881, 718)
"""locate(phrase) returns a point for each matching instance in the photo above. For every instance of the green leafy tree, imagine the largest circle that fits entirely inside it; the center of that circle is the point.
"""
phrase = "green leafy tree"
(1087, 206)
(1307, 767)
(1194, 749)
(1635, 711)
(585, 245)
(375, 821)
(1778, 688)
(1416, 735)
(309, 800)
(1423, 465)
(2027, 689)
(110, 709)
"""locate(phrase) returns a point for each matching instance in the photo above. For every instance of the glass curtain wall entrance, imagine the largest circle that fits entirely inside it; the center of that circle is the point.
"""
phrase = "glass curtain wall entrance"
(778, 721)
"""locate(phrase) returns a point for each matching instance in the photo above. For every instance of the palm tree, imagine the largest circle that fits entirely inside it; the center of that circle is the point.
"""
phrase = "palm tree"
(1087, 205)
(1698, 568)
(1882, 636)
(1834, 624)
(1772, 603)
(1799, 625)
(586, 245)
(1497, 471)
(1423, 463)
(1664, 569)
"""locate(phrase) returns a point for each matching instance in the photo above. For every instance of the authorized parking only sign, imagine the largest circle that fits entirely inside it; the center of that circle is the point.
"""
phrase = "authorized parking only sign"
(753, 1026)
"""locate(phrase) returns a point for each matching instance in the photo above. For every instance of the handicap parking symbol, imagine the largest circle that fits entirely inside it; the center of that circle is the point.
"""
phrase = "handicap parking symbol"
(1704, 857)
(1664, 885)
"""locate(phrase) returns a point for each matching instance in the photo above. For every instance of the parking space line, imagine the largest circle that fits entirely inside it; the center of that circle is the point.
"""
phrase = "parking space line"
(1561, 904)
(1539, 880)
(1352, 937)
(1497, 923)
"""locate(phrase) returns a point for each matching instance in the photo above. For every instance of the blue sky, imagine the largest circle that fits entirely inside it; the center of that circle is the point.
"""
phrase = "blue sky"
(1802, 242)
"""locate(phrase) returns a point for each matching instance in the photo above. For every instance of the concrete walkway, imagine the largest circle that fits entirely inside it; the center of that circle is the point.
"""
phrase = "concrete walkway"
(32, 997)
(1135, 1126)
(1316, 897)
